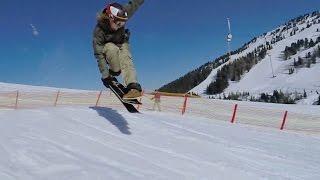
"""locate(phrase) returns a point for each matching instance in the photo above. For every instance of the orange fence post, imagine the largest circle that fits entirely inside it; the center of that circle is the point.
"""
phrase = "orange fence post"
(17, 97)
(284, 120)
(57, 97)
(98, 98)
(234, 113)
(184, 104)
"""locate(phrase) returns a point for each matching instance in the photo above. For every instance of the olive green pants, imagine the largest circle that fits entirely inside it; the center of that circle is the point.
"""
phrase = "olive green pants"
(119, 58)
(156, 103)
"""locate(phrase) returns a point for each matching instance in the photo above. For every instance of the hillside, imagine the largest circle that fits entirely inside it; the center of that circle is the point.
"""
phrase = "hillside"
(257, 78)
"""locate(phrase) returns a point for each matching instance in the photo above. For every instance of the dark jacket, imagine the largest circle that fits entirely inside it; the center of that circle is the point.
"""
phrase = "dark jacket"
(103, 34)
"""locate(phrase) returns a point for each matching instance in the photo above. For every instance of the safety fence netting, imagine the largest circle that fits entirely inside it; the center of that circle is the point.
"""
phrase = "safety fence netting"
(288, 117)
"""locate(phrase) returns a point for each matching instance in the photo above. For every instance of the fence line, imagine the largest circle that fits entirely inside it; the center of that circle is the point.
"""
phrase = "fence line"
(17, 98)
(282, 117)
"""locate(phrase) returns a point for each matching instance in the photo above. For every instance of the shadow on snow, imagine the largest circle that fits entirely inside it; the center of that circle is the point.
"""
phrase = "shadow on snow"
(114, 118)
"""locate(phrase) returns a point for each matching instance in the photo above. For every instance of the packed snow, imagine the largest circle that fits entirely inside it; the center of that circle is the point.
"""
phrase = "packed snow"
(103, 143)
(81, 142)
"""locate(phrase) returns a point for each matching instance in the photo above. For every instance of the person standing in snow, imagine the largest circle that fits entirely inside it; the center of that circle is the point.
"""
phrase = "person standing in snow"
(111, 46)
(156, 99)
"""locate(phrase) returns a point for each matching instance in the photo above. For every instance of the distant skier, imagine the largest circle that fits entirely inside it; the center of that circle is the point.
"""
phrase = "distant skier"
(156, 99)
(111, 46)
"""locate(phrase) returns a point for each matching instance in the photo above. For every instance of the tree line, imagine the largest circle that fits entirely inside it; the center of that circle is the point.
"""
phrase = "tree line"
(234, 70)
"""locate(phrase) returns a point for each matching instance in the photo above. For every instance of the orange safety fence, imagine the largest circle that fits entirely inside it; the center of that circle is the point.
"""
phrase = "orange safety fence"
(8, 99)
(259, 114)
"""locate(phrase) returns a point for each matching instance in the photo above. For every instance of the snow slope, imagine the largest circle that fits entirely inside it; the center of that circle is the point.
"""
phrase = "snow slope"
(102, 143)
(259, 78)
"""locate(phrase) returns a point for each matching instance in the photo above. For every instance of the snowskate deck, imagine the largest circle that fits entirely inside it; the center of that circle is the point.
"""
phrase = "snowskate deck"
(132, 101)
(123, 91)
(119, 90)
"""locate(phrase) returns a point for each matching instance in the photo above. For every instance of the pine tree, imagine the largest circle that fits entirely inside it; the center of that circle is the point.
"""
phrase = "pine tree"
(232, 72)
(281, 97)
(300, 61)
(300, 43)
(276, 95)
(311, 44)
(273, 99)
(308, 55)
(306, 43)
(286, 53)
(308, 25)
(264, 97)
(313, 58)
(289, 51)
(262, 53)
(291, 71)
(304, 94)
(308, 65)
(319, 100)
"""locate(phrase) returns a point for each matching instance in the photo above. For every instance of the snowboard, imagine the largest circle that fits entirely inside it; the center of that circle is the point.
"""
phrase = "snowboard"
(119, 90)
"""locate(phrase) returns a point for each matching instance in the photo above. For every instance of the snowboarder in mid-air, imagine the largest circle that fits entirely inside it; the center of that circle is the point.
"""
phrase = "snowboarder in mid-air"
(111, 49)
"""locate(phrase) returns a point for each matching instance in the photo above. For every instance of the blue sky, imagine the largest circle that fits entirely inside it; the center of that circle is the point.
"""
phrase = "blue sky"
(168, 37)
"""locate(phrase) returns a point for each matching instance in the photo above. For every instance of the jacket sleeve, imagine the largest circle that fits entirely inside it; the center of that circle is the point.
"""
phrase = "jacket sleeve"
(98, 43)
(132, 6)
(98, 46)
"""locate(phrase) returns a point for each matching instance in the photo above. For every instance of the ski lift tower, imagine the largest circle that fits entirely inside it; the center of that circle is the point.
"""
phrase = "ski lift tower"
(269, 54)
(229, 37)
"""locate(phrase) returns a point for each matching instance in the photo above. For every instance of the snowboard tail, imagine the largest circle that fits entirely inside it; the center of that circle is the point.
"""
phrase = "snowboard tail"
(119, 90)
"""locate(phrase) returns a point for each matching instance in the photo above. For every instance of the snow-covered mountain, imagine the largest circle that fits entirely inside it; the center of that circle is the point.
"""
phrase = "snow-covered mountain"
(260, 78)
